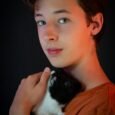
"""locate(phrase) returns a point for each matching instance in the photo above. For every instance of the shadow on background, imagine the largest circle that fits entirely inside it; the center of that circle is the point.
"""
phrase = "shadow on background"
(21, 53)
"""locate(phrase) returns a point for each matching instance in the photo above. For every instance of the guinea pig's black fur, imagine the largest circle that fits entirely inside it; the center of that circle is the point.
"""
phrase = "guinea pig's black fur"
(64, 87)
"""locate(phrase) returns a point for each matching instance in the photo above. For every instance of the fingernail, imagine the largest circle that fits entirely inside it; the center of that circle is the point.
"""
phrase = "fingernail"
(47, 69)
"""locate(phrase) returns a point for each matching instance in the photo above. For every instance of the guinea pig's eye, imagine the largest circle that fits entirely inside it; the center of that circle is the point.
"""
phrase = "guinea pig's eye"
(67, 84)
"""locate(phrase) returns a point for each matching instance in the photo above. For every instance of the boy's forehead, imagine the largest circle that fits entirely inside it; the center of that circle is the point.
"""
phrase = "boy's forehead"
(41, 4)
(54, 5)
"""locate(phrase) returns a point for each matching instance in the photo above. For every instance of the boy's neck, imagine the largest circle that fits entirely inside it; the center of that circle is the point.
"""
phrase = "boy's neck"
(89, 72)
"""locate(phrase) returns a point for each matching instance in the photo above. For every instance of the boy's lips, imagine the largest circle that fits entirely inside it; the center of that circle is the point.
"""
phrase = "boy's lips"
(54, 51)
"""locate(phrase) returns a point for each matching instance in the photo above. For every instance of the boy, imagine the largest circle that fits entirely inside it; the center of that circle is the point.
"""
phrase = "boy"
(68, 30)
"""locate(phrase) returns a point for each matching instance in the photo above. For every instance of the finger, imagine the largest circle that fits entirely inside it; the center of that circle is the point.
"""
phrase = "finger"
(45, 75)
(22, 83)
(34, 78)
(41, 86)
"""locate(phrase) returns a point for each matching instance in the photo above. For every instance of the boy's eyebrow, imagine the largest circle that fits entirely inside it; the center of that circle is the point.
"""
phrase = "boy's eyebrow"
(61, 11)
(55, 12)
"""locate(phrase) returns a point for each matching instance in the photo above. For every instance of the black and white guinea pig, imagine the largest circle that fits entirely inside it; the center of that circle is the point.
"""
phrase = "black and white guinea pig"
(61, 88)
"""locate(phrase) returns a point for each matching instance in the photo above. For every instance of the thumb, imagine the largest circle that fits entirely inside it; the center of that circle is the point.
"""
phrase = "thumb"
(42, 84)
(45, 76)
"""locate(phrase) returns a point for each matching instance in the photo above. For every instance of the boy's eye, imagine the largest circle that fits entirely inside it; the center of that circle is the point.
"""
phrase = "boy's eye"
(41, 23)
(63, 20)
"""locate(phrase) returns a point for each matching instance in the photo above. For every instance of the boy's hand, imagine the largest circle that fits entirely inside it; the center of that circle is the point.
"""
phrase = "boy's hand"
(30, 93)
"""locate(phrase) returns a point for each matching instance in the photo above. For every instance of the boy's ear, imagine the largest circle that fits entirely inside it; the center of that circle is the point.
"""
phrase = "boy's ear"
(96, 24)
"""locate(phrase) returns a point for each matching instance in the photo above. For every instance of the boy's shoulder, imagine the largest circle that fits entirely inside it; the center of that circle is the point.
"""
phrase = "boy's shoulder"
(100, 99)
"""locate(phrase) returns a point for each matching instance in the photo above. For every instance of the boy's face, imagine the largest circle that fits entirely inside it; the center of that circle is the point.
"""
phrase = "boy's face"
(63, 32)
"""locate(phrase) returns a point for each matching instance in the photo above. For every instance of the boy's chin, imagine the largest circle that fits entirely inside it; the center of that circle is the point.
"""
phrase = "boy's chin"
(59, 65)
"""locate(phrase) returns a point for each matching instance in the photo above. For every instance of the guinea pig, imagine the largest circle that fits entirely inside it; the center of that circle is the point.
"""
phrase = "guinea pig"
(61, 89)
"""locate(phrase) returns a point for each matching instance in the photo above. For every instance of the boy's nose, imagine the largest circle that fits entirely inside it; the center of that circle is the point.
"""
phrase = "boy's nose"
(50, 33)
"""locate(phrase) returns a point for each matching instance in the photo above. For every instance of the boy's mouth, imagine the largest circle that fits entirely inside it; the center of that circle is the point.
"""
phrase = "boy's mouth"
(54, 51)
